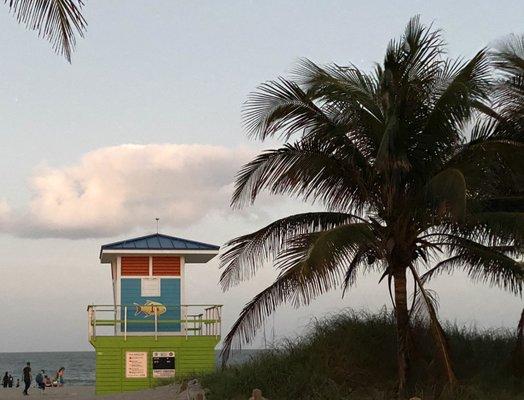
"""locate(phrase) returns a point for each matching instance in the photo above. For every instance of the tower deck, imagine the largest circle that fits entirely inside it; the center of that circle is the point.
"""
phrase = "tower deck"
(133, 354)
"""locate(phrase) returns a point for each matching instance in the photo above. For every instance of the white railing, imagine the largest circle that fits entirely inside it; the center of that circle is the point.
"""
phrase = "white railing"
(154, 320)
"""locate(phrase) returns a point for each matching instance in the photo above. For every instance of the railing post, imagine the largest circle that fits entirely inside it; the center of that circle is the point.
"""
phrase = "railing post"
(90, 322)
(206, 332)
(156, 323)
(185, 319)
(211, 322)
(219, 311)
(125, 323)
(115, 319)
(215, 312)
(214, 323)
(94, 323)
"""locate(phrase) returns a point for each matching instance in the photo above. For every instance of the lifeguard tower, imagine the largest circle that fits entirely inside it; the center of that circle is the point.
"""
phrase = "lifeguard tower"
(150, 333)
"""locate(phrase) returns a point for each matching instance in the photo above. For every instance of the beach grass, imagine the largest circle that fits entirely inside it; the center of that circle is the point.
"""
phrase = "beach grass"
(352, 355)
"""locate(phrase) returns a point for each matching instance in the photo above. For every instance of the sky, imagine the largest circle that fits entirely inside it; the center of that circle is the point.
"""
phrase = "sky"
(146, 123)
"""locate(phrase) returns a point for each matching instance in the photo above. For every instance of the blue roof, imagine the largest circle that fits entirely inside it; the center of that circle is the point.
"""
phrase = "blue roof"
(158, 241)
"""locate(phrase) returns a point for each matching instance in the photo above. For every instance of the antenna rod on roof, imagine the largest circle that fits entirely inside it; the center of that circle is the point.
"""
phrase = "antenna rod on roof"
(157, 219)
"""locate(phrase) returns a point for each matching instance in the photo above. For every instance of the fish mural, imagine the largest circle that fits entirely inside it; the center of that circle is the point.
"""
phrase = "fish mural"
(148, 308)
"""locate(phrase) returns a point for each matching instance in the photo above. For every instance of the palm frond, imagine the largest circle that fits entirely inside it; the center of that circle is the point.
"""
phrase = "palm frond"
(311, 265)
(246, 254)
(421, 50)
(350, 95)
(509, 55)
(362, 255)
(282, 107)
(58, 21)
(493, 227)
(436, 328)
(333, 249)
(490, 264)
(463, 85)
(509, 96)
(254, 312)
(303, 169)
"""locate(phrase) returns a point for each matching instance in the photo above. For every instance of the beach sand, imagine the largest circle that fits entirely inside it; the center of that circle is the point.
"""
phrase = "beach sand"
(88, 392)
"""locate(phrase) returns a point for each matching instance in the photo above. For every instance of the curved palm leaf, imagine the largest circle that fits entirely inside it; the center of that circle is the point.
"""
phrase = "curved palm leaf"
(491, 227)
(436, 328)
(311, 264)
(306, 170)
(491, 264)
(282, 106)
(462, 86)
(349, 90)
(58, 21)
(245, 254)
(509, 58)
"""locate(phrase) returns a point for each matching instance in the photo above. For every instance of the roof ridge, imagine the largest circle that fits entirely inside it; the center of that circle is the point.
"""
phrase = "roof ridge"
(186, 240)
(187, 244)
(131, 239)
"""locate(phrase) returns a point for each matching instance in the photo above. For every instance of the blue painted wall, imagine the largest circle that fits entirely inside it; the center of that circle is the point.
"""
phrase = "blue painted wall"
(169, 296)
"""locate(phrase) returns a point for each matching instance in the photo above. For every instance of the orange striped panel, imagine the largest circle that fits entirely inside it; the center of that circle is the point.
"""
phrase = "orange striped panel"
(137, 266)
(166, 265)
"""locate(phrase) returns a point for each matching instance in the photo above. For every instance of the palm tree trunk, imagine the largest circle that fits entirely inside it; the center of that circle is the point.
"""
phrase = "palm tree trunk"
(402, 317)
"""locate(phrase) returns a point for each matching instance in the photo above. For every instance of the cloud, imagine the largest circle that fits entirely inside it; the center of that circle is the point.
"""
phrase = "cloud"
(114, 190)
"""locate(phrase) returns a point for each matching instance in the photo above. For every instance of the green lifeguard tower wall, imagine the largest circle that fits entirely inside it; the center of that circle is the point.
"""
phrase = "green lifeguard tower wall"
(150, 334)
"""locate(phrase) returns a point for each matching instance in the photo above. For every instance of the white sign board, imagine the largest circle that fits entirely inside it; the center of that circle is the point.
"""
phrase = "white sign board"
(136, 364)
(150, 287)
(163, 364)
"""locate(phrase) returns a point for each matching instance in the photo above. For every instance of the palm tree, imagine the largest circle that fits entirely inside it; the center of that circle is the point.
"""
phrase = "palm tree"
(509, 58)
(387, 154)
(55, 20)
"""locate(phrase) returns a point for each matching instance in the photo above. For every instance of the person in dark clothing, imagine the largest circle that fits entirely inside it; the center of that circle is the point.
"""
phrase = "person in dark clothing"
(5, 380)
(26, 373)
(39, 379)
(17, 382)
(11, 380)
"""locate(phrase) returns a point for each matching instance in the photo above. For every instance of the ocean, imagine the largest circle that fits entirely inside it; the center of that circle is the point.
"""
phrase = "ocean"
(79, 366)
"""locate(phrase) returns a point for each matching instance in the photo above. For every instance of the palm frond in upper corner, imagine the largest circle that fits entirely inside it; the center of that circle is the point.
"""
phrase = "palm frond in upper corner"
(58, 21)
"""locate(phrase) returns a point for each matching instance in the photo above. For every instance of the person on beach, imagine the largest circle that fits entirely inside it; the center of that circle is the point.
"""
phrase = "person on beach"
(40, 380)
(17, 382)
(47, 381)
(60, 377)
(26, 374)
(5, 381)
(11, 380)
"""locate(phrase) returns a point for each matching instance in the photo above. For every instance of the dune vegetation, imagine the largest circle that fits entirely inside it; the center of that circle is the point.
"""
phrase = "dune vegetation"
(352, 356)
